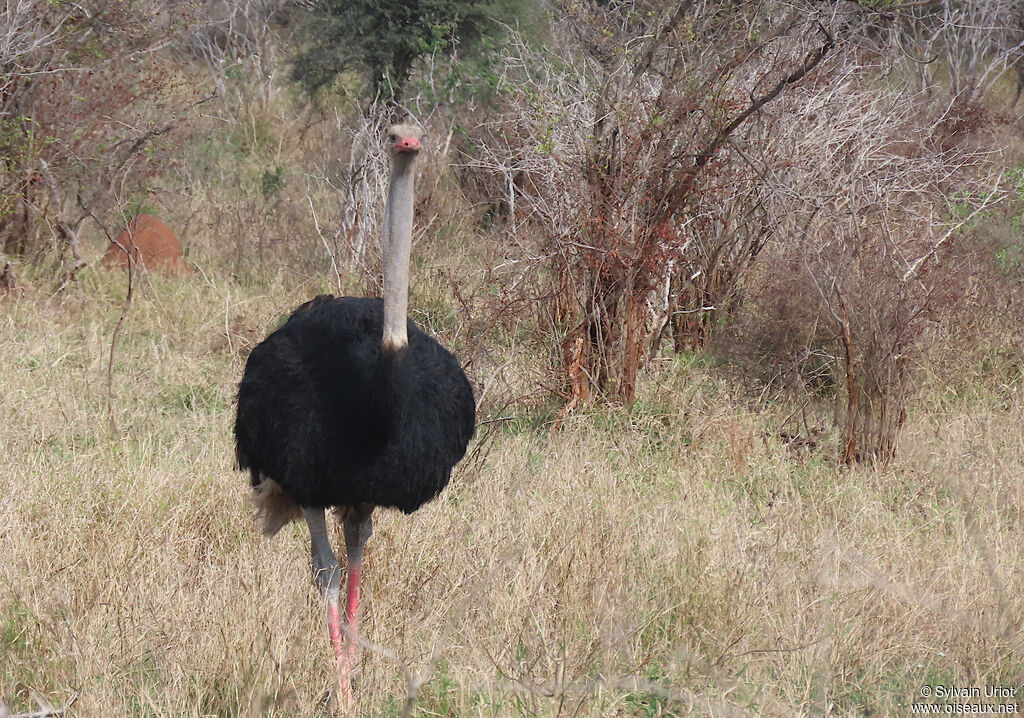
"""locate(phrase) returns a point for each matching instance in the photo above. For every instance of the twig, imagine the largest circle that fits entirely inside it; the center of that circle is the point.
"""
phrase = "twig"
(145, 137)
(67, 231)
(810, 62)
(227, 327)
(45, 709)
(327, 247)
(113, 343)
(510, 417)
(992, 197)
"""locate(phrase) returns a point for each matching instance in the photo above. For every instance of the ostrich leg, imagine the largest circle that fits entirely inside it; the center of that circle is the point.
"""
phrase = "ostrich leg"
(327, 576)
(358, 525)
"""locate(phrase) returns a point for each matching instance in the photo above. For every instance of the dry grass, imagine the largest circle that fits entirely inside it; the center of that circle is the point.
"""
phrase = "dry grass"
(677, 560)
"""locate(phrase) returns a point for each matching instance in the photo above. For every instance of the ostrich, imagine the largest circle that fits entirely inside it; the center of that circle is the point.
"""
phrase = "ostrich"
(349, 405)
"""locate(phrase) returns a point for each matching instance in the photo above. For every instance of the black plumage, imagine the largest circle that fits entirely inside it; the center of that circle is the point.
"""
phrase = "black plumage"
(336, 420)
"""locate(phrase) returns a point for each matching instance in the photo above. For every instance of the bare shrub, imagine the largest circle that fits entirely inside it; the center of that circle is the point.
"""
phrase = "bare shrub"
(658, 168)
(233, 39)
(88, 114)
(977, 43)
(871, 204)
(616, 149)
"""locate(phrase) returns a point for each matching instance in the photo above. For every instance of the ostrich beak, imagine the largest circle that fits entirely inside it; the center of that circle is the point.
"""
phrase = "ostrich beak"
(408, 144)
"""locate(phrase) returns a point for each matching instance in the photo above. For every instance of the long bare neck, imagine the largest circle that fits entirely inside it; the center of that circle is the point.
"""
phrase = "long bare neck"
(395, 249)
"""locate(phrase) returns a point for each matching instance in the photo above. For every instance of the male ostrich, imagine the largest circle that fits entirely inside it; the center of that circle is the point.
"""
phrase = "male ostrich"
(349, 405)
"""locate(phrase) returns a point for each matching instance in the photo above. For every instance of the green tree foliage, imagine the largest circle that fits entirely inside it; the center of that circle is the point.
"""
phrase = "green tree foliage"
(382, 39)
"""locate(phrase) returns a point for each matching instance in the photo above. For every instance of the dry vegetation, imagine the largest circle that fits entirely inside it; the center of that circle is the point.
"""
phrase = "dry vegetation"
(678, 557)
(705, 552)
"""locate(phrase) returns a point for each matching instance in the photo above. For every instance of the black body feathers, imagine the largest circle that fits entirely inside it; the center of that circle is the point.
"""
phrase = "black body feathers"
(335, 420)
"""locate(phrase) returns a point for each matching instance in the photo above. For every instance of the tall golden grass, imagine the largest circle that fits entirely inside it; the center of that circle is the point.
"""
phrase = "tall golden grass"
(678, 560)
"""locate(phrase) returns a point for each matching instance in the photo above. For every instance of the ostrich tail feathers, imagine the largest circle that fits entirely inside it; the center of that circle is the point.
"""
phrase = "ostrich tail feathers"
(273, 506)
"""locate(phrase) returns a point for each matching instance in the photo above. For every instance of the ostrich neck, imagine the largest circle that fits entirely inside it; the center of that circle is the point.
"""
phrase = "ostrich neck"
(395, 249)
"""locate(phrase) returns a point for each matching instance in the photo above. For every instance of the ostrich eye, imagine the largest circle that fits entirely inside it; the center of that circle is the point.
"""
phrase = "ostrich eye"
(392, 138)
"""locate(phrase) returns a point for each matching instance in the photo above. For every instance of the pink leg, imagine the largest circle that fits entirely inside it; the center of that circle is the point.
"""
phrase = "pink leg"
(327, 576)
(334, 632)
(357, 527)
(344, 641)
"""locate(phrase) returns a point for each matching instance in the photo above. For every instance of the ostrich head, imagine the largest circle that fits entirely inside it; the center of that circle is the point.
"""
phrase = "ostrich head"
(404, 140)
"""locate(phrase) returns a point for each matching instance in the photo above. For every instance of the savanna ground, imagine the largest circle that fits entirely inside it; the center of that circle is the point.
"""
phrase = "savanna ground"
(688, 556)
(676, 559)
